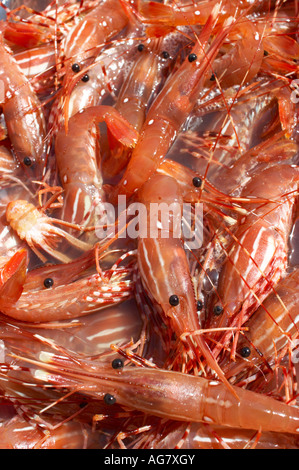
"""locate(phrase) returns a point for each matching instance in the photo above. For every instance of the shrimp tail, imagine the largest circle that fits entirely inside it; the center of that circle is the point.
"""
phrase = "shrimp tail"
(13, 277)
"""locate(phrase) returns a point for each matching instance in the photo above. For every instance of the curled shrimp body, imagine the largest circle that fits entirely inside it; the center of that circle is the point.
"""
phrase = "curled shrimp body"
(78, 159)
(170, 110)
(258, 257)
(23, 114)
(270, 329)
(170, 395)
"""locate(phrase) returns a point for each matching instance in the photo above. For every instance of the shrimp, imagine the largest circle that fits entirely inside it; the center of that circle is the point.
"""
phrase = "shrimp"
(133, 99)
(270, 329)
(37, 62)
(258, 256)
(170, 110)
(17, 433)
(168, 394)
(157, 257)
(78, 155)
(23, 114)
(67, 301)
(38, 230)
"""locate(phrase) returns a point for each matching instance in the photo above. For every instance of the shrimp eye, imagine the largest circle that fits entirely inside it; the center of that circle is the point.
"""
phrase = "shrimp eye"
(109, 399)
(174, 300)
(165, 55)
(48, 282)
(266, 53)
(197, 182)
(245, 352)
(218, 310)
(117, 364)
(85, 78)
(199, 305)
(27, 161)
(76, 68)
(140, 47)
(192, 57)
(212, 77)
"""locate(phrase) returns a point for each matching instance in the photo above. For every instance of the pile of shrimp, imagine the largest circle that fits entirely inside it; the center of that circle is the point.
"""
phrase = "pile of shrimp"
(112, 337)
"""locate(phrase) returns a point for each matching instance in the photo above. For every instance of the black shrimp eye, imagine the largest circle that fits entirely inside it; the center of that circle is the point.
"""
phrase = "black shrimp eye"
(109, 399)
(212, 77)
(174, 300)
(165, 55)
(76, 68)
(199, 305)
(48, 282)
(27, 161)
(117, 364)
(85, 78)
(140, 47)
(197, 182)
(266, 53)
(245, 352)
(192, 57)
(218, 310)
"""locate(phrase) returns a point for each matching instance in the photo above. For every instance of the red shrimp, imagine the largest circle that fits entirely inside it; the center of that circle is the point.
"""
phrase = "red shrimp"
(272, 327)
(78, 159)
(17, 433)
(170, 110)
(134, 96)
(168, 394)
(258, 256)
(160, 255)
(23, 114)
